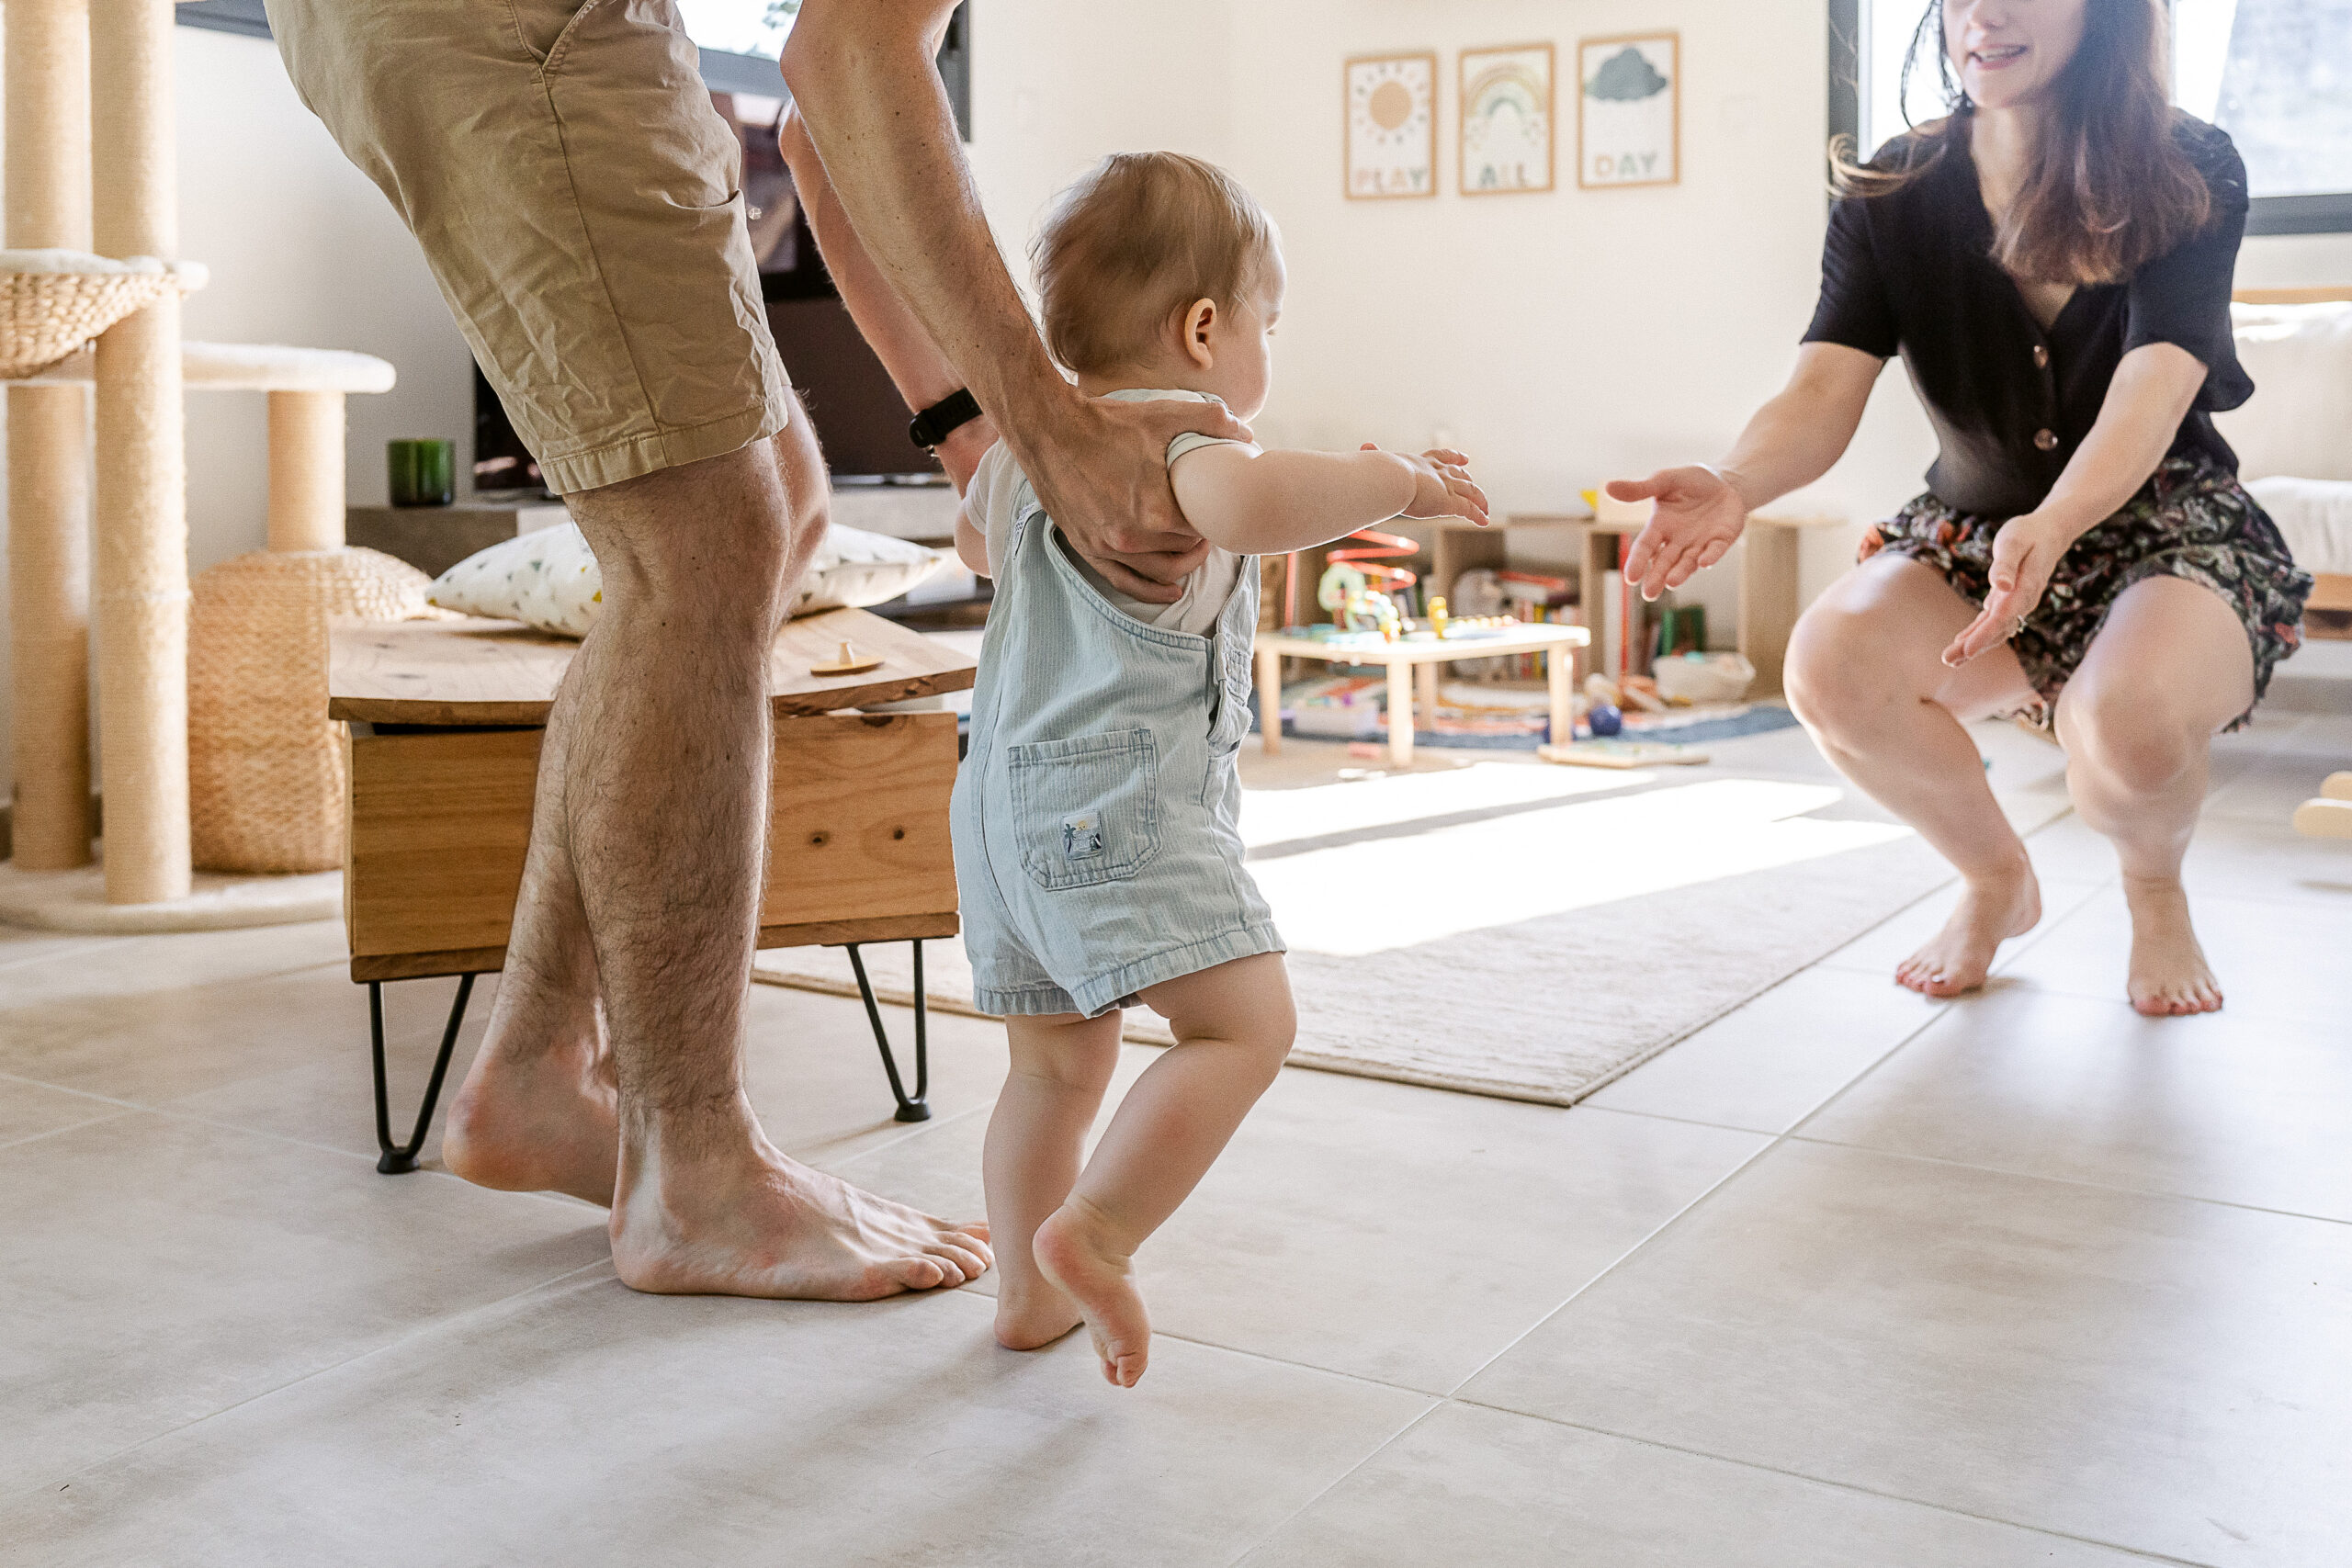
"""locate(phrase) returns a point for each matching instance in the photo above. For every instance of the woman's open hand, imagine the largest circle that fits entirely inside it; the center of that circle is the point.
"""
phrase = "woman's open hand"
(1699, 515)
(2025, 552)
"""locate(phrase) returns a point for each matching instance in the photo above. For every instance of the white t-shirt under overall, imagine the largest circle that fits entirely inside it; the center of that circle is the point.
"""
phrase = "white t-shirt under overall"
(1000, 493)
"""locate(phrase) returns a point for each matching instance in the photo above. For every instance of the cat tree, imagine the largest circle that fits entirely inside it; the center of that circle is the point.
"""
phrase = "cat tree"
(93, 258)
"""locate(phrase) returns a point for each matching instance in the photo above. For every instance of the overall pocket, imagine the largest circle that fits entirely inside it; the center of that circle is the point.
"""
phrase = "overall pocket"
(1088, 809)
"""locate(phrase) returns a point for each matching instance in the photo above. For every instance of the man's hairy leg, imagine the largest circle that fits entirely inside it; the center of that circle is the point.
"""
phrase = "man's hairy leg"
(664, 810)
(538, 1112)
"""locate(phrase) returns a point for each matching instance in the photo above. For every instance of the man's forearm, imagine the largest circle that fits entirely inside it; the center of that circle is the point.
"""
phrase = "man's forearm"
(862, 73)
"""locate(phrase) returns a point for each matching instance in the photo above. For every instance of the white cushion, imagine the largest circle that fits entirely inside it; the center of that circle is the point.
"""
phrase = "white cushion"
(549, 579)
(2314, 515)
(2300, 419)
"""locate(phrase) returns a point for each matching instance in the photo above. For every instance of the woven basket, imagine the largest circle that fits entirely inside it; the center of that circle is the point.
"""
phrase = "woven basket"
(46, 317)
(266, 771)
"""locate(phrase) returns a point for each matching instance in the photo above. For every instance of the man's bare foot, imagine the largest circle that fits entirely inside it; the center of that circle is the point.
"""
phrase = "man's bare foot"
(544, 1123)
(727, 1215)
(1033, 1317)
(1992, 909)
(2169, 976)
(1074, 1250)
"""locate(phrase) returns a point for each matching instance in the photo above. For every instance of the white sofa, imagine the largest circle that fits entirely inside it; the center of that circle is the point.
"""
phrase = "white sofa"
(2294, 441)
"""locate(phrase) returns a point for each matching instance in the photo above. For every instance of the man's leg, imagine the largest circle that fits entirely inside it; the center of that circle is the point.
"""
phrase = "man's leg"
(650, 841)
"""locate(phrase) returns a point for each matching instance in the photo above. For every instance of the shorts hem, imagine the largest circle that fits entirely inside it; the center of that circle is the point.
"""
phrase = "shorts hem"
(1021, 1001)
(1104, 992)
(634, 457)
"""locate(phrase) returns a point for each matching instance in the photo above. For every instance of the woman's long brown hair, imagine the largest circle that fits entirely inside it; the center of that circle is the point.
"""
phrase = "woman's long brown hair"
(2109, 189)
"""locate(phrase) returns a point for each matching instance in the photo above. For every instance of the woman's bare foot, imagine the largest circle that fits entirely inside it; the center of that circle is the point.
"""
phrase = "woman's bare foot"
(547, 1121)
(727, 1215)
(2169, 976)
(1033, 1317)
(1074, 1250)
(1992, 909)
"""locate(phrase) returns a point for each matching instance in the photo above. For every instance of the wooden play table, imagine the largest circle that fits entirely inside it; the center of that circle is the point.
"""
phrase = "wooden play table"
(1407, 656)
(445, 718)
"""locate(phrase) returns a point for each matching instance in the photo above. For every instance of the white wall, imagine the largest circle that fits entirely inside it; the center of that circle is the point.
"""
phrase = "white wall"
(302, 250)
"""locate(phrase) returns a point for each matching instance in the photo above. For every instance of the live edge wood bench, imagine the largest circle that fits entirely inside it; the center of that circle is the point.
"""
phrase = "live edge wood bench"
(445, 719)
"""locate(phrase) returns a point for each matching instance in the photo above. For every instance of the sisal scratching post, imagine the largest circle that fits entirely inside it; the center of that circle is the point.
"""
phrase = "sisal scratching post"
(305, 470)
(141, 516)
(48, 49)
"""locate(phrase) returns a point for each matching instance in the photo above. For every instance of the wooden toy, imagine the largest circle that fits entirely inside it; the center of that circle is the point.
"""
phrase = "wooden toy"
(848, 662)
(1623, 754)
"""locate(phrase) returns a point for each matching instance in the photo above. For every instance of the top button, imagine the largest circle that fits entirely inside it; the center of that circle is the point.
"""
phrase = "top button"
(2046, 439)
(2041, 357)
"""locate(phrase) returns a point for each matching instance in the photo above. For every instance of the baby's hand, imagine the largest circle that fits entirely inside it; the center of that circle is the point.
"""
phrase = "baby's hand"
(1441, 486)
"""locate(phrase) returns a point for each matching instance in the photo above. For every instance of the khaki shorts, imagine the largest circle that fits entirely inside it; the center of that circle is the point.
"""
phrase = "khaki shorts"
(580, 205)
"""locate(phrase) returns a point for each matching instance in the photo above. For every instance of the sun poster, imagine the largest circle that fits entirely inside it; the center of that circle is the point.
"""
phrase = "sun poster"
(1629, 124)
(1392, 127)
(1506, 120)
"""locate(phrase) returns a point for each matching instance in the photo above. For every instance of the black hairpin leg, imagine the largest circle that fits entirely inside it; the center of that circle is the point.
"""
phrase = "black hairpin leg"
(911, 1108)
(402, 1157)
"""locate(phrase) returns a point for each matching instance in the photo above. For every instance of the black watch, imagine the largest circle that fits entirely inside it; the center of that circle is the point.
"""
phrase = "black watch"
(930, 427)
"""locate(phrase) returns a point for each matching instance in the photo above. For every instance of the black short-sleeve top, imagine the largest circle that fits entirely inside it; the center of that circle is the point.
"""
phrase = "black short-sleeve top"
(1912, 271)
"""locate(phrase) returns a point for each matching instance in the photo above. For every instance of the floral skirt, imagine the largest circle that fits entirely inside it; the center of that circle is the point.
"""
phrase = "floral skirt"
(2192, 519)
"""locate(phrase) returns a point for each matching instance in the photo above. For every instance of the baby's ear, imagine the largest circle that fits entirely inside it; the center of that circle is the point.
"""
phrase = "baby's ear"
(1200, 320)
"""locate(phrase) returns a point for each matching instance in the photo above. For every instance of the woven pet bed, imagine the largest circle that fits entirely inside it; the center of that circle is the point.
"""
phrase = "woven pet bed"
(267, 769)
(53, 302)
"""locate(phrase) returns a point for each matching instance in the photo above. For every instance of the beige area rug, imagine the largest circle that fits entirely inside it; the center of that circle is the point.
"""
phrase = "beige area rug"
(1533, 932)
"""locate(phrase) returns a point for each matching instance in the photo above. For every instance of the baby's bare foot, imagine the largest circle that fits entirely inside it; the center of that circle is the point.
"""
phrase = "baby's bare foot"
(2169, 975)
(1992, 909)
(1032, 1317)
(1074, 1251)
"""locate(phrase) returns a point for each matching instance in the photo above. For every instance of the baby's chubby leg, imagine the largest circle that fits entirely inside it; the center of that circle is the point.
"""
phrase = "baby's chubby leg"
(1061, 1065)
(1233, 1026)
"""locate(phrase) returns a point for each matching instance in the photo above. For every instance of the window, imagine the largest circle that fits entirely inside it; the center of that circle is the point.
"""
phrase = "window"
(2276, 75)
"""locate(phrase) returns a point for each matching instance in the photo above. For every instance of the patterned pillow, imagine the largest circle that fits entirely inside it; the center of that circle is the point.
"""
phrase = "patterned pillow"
(549, 580)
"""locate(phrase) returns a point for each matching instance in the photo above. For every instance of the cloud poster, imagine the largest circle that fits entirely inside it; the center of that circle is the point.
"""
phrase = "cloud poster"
(1629, 118)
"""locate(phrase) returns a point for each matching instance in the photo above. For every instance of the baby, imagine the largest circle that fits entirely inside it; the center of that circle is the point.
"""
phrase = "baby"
(1094, 817)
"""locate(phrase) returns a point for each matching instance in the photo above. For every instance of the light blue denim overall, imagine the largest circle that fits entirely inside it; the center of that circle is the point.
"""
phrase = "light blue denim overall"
(1094, 816)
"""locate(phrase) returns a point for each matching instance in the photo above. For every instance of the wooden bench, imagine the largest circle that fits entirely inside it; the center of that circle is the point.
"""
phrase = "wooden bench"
(446, 721)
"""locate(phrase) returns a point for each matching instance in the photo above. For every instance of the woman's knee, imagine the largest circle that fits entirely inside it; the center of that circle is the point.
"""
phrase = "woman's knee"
(1830, 677)
(2129, 734)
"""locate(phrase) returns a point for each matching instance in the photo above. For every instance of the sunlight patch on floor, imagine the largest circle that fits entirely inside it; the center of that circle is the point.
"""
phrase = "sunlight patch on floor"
(1384, 800)
(1400, 892)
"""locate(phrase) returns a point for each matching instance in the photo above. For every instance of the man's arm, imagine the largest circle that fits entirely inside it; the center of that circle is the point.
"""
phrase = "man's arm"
(862, 73)
(1254, 502)
(917, 368)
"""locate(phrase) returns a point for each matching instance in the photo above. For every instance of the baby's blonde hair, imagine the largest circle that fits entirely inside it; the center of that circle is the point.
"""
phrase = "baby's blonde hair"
(1139, 238)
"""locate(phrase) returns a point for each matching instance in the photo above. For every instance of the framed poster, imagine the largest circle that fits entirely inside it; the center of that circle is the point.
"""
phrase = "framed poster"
(1391, 106)
(1629, 117)
(1506, 106)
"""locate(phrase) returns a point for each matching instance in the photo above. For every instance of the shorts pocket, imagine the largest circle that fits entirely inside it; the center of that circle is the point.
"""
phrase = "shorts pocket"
(1088, 808)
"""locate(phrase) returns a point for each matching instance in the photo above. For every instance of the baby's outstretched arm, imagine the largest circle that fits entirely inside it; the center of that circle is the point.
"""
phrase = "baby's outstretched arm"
(1255, 502)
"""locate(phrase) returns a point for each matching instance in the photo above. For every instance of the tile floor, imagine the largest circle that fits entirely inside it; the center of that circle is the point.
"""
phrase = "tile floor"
(1847, 1279)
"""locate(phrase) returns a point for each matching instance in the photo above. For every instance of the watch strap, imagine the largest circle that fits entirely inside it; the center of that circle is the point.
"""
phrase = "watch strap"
(932, 426)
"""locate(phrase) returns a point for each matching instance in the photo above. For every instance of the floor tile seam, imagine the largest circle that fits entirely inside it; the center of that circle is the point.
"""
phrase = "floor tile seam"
(400, 1339)
(1436, 1404)
(69, 951)
(1656, 1233)
(78, 1093)
(910, 1130)
(1815, 1109)
(2115, 1188)
(2116, 993)
(9, 1144)
(2142, 1553)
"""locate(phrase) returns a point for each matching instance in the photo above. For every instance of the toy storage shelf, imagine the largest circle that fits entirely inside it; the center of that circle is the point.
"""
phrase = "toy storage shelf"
(1415, 661)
